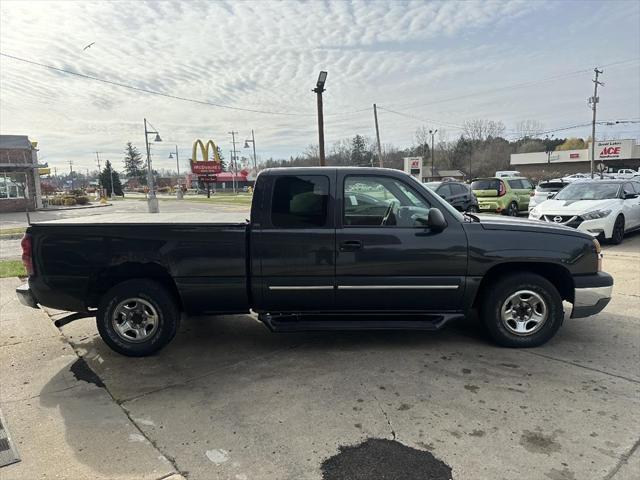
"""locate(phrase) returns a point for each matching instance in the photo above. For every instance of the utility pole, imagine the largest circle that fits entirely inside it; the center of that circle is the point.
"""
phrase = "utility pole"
(71, 172)
(375, 116)
(433, 153)
(99, 172)
(322, 78)
(594, 102)
(111, 172)
(234, 160)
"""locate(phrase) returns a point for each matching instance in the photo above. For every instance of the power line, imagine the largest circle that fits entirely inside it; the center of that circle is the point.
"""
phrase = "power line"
(408, 115)
(514, 86)
(154, 92)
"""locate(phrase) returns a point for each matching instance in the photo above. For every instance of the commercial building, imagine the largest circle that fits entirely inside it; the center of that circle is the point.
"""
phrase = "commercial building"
(19, 179)
(612, 154)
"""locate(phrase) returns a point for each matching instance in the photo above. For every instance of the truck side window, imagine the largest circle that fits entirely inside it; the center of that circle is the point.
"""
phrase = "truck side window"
(300, 201)
(373, 201)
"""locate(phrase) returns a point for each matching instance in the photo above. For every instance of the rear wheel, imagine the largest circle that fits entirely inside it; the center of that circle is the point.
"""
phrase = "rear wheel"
(618, 231)
(137, 317)
(522, 310)
(512, 210)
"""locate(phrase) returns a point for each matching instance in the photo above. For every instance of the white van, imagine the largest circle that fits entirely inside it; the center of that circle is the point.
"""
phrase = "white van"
(508, 173)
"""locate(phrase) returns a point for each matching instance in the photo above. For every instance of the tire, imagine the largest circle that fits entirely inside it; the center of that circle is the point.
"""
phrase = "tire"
(512, 210)
(138, 317)
(618, 231)
(510, 292)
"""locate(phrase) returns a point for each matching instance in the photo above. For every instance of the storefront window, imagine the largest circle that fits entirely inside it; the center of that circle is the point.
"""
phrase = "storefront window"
(12, 185)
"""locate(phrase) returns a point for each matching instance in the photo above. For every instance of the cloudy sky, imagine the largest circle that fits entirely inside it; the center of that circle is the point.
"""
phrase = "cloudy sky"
(424, 63)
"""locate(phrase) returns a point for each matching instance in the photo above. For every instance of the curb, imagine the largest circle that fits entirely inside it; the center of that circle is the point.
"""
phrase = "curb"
(74, 208)
(12, 236)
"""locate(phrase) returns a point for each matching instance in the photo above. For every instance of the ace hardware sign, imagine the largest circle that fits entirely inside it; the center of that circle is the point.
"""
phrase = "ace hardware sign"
(610, 149)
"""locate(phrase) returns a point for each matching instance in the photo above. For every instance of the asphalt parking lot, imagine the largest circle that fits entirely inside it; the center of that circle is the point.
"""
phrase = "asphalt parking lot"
(230, 400)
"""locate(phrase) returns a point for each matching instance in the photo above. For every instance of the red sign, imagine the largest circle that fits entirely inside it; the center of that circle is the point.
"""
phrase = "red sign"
(206, 168)
(610, 151)
(574, 155)
(207, 178)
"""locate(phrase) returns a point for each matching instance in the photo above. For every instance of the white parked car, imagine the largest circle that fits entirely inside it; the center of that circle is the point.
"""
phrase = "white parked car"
(508, 173)
(576, 176)
(626, 173)
(544, 190)
(603, 208)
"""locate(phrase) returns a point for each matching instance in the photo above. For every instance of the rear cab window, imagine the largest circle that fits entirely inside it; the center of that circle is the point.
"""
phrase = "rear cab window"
(300, 202)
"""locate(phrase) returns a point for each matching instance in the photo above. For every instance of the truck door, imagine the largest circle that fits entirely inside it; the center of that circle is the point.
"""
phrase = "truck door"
(384, 259)
(294, 243)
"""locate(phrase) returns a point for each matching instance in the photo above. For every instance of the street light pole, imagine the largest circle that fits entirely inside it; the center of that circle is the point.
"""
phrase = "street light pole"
(253, 142)
(152, 200)
(234, 160)
(433, 153)
(111, 172)
(322, 78)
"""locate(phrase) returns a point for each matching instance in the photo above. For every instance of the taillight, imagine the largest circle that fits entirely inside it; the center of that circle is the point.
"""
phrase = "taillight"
(27, 258)
(502, 190)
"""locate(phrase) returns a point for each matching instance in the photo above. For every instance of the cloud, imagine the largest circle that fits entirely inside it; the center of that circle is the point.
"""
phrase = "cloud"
(267, 55)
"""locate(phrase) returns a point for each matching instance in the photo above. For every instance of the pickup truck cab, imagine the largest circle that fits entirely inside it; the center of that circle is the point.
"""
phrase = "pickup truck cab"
(325, 249)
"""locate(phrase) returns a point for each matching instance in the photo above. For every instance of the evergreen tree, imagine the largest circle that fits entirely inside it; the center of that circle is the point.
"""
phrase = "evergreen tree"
(133, 164)
(360, 154)
(105, 180)
(223, 164)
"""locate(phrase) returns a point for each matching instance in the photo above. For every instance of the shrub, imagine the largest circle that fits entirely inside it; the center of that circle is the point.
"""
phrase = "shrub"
(69, 201)
(82, 200)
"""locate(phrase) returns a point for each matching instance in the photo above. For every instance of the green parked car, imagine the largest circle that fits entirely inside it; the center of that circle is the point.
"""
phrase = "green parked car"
(508, 196)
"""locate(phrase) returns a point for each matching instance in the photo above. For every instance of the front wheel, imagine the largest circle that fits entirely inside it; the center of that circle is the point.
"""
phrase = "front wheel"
(618, 231)
(522, 310)
(137, 317)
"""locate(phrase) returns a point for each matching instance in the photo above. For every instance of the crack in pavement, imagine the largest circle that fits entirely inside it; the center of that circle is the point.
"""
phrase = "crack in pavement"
(575, 364)
(384, 413)
(623, 459)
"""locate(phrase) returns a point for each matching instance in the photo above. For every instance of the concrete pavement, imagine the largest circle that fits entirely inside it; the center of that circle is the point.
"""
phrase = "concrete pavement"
(230, 400)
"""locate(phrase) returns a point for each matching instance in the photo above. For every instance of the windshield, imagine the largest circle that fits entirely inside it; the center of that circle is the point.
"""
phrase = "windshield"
(589, 191)
(485, 184)
(433, 185)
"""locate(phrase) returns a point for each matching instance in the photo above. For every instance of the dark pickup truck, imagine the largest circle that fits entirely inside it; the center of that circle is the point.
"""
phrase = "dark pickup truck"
(325, 249)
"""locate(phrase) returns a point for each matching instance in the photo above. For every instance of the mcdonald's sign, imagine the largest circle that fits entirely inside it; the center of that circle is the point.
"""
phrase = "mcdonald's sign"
(205, 167)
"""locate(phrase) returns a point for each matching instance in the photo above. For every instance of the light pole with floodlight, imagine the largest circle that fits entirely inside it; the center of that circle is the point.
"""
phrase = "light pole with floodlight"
(152, 200)
(253, 142)
(433, 153)
(179, 193)
(322, 78)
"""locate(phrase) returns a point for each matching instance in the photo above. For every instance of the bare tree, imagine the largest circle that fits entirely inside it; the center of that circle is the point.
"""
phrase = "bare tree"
(481, 129)
(529, 128)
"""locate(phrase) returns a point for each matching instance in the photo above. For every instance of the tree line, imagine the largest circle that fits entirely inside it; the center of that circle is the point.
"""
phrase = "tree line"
(480, 150)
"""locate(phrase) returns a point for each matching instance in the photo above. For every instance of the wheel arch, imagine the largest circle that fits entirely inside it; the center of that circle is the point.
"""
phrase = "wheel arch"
(112, 276)
(556, 274)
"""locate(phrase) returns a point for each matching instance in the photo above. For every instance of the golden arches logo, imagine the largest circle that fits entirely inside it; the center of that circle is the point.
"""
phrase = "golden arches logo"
(205, 151)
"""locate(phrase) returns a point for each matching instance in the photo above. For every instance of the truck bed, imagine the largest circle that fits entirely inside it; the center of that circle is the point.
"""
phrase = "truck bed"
(205, 261)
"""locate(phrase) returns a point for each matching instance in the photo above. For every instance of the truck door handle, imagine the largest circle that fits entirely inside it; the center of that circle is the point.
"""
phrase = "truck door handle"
(350, 246)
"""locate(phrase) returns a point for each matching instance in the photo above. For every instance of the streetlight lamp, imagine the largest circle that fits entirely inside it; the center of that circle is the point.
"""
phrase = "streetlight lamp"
(432, 132)
(178, 189)
(253, 142)
(152, 199)
(322, 78)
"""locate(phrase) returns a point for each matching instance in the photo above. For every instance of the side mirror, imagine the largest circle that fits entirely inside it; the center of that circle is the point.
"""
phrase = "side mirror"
(436, 220)
(442, 195)
(550, 196)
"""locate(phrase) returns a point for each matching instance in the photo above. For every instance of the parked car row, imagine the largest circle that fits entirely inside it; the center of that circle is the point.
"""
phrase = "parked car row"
(606, 209)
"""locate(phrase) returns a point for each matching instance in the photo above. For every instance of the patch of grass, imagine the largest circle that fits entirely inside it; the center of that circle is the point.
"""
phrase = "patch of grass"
(12, 231)
(12, 268)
